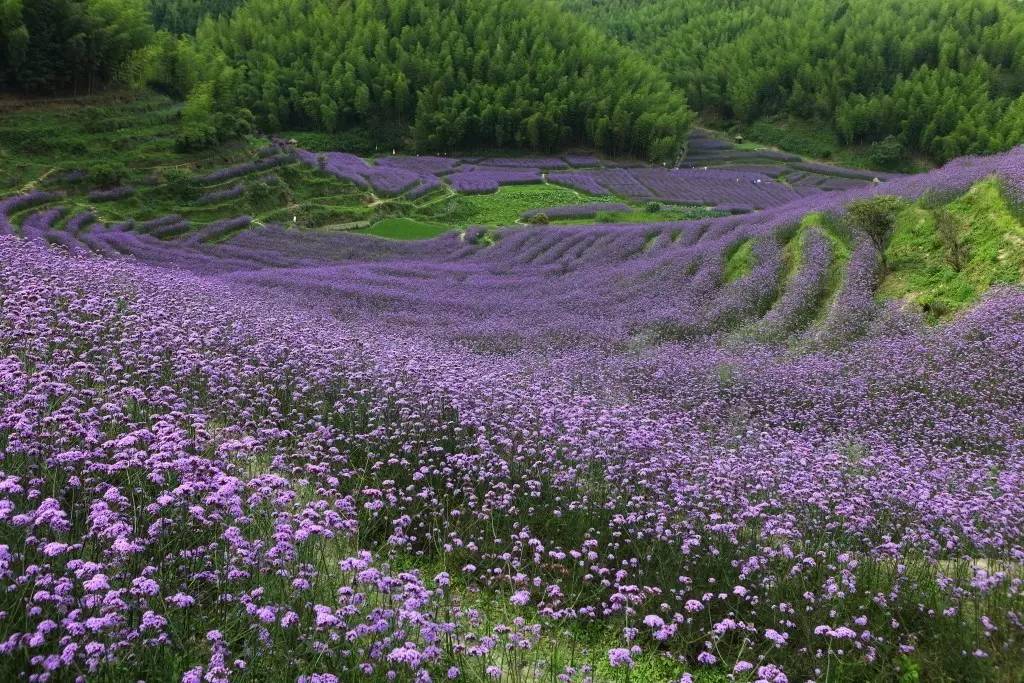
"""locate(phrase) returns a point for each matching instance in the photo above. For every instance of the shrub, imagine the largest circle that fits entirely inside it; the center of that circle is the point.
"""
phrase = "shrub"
(876, 217)
(950, 231)
(202, 127)
(539, 218)
(887, 153)
(180, 184)
(108, 174)
(267, 188)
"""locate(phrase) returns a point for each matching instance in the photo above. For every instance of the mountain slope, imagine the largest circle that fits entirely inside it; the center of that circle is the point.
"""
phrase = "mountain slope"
(457, 73)
(941, 77)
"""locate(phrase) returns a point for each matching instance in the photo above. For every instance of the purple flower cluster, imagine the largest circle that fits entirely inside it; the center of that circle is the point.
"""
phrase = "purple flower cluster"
(527, 163)
(80, 221)
(215, 196)
(281, 158)
(426, 165)
(480, 179)
(18, 202)
(219, 229)
(339, 164)
(36, 225)
(805, 291)
(167, 228)
(112, 194)
(578, 180)
(582, 160)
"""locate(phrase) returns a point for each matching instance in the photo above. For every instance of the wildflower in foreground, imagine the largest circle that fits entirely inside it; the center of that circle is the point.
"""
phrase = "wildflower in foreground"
(520, 598)
(619, 656)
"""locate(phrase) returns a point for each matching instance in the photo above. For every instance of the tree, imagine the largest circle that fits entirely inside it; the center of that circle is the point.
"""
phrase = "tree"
(887, 153)
(876, 217)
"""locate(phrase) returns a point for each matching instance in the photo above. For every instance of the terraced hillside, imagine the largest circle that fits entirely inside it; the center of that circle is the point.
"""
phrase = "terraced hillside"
(141, 183)
(777, 445)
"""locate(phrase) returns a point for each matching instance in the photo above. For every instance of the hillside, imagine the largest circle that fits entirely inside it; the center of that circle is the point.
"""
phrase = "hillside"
(407, 341)
(241, 443)
(457, 74)
(937, 77)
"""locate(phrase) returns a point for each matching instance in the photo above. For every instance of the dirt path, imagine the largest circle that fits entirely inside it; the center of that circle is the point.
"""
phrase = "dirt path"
(32, 185)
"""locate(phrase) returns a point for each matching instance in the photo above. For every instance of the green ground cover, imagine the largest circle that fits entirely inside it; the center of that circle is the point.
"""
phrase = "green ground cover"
(815, 140)
(945, 258)
(739, 261)
(404, 229)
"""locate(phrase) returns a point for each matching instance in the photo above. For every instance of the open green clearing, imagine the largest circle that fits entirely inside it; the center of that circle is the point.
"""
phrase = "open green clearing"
(404, 229)
(505, 206)
(739, 261)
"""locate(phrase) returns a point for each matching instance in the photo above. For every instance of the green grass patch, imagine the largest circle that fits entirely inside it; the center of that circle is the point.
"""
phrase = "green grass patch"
(922, 268)
(739, 262)
(364, 141)
(792, 254)
(134, 132)
(683, 213)
(129, 138)
(404, 229)
(505, 206)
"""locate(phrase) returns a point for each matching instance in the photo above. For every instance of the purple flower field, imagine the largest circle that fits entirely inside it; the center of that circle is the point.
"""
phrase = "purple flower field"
(736, 187)
(241, 453)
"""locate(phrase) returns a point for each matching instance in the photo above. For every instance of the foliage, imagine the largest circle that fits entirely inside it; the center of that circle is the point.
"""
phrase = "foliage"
(457, 74)
(108, 174)
(50, 46)
(887, 153)
(180, 183)
(944, 259)
(944, 76)
(876, 217)
(169, 65)
(204, 125)
(183, 16)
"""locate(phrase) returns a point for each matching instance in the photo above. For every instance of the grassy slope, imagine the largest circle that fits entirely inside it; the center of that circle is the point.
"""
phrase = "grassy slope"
(921, 270)
(739, 261)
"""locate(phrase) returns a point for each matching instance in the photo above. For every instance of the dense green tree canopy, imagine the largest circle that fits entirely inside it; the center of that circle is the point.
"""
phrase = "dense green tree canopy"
(943, 76)
(67, 45)
(184, 16)
(457, 73)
